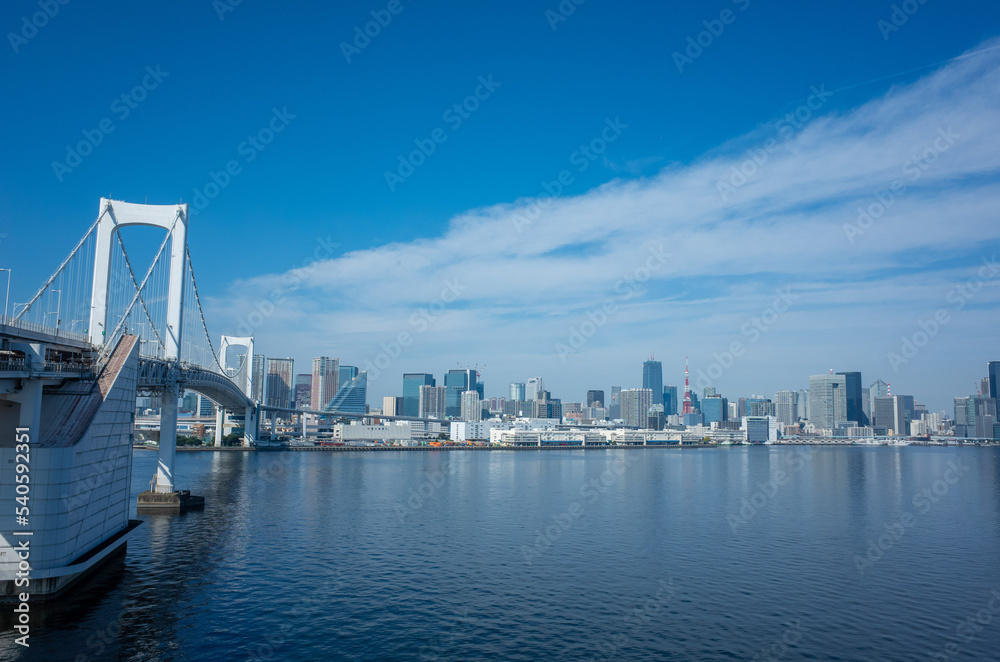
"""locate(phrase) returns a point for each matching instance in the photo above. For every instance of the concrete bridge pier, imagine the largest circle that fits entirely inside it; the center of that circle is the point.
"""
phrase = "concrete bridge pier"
(163, 496)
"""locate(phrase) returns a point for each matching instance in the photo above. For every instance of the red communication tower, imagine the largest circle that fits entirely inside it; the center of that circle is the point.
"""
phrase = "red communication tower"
(688, 409)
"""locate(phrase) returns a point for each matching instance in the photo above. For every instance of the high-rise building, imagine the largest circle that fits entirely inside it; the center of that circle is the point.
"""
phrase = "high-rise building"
(635, 406)
(303, 391)
(534, 386)
(655, 420)
(325, 383)
(786, 407)
(993, 375)
(352, 397)
(346, 374)
(615, 410)
(258, 383)
(595, 398)
(472, 409)
(827, 400)
(517, 391)
(890, 413)
(855, 407)
(758, 407)
(670, 403)
(457, 382)
(985, 412)
(432, 402)
(715, 409)
(392, 405)
(652, 378)
(412, 381)
(804, 404)
(279, 382)
(878, 389)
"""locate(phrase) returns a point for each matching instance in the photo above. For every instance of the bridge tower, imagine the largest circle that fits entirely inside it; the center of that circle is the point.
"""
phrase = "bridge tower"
(115, 215)
(244, 380)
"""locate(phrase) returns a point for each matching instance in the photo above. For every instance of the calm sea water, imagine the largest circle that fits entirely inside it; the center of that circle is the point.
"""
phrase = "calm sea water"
(763, 553)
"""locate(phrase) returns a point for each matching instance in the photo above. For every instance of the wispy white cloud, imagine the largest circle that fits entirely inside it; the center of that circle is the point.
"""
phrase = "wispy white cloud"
(521, 293)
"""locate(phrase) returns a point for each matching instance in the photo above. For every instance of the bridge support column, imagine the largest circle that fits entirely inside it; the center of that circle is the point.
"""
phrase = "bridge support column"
(168, 439)
(220, 423)
(302, 419)
(30, 397)
(250, 429)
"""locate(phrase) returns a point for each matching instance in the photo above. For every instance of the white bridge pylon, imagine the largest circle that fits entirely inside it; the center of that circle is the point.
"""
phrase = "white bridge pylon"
(115, 215)
(243, 378)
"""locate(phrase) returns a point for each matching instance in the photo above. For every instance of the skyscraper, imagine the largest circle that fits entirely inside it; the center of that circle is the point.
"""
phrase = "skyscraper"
(855, 408)
(534, 387)
(595, 398)
(786, 407)
(993, 374)
(879, 389)
(432, 402)
(279, 382)
(635, 406)
(715, 409)
(346, 374)
(412, 381)
(472, 409)
(890, 413)
(457, 382)
(827, 400)
(652, 378)
(325, 382)
(517, 391)
(352, 396)
(258, 383)
(670, 403)
(303, 391)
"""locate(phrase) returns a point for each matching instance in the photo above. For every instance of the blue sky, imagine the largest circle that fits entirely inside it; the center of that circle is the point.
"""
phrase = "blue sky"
(663, 180)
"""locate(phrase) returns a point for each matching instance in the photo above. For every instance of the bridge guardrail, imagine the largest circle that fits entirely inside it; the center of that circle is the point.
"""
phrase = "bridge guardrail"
(41, 328)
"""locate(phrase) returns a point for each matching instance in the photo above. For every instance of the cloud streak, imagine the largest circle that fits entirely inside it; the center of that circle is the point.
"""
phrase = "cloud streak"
(783, 228)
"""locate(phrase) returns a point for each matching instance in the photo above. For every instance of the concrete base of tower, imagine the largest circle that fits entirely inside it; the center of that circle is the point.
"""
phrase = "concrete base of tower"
(170, 502)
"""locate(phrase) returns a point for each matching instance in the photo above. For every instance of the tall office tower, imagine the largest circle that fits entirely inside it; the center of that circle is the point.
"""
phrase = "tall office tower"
(962, 411)
(303, 391)
(890, 413)
(615, 409)
(205, 406)
(715, 409)
(346, 374)
(259, 380)
(472, 409)
(695, 403)
(457, 382)
(432, 402)
(635, 406)
(984, 387)
(517, 391)
(652, 378)
(878, 390)
(534, 387)
(804, 404)
(734, 411)
(670, 403)
(984, 410)
(595, 398)
(352, 396)
(708, 392)
(392, 405)
(993, 373)
(866, 404)
(655, 420)
(855, 408)
(786, 407)
(688, 409)
(325, 381)
(827, 400)
(279, 382)
(412, 381)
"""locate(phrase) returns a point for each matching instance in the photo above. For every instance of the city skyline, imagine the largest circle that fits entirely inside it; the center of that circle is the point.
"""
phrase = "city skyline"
(696, 231)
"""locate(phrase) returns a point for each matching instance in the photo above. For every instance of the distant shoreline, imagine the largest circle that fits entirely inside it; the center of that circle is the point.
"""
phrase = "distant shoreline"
(383, 449)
